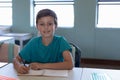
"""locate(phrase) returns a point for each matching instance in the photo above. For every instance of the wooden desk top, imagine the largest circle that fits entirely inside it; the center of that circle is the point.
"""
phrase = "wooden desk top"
(75, 74)
(9, 71)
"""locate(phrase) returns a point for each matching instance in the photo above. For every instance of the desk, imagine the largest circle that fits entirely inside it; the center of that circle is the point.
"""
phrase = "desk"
(20, 37)
(109, 73)
(9, 71)
(75, 74)
(2, 64)
(7, 39)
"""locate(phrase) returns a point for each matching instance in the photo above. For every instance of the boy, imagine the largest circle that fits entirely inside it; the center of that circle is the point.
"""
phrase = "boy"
(48, 51)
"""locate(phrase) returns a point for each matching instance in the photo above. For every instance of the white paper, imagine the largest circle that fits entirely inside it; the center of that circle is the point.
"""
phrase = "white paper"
(60, 73)
(47, 72)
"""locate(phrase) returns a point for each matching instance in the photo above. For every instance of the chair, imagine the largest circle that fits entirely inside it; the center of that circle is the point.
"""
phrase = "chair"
(76, 53)
(8, 51)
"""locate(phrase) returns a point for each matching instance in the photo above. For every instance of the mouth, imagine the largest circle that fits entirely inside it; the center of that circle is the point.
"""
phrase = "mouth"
(46, 32)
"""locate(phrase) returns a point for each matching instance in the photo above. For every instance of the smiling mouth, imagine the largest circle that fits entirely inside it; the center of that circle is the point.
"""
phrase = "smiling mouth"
(46, 31)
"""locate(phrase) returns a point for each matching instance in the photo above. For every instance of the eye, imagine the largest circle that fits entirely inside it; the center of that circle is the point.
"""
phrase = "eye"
(41, 24)
(50, 24)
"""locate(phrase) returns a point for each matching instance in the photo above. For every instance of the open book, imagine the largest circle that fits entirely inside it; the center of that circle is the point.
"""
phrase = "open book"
(47, 72)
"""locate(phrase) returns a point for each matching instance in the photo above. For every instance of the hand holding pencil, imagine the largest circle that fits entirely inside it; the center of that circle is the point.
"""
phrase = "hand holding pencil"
(23, 68)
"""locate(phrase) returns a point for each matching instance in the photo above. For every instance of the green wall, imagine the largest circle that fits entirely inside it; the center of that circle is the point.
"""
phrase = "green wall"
(94, 42)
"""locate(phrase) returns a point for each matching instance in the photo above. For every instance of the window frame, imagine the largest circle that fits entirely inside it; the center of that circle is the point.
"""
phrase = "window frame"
(55, 2)
(105, 2)
(6, 4)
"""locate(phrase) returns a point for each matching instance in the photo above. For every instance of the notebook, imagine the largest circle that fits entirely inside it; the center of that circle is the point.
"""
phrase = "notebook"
(47, 72)
(100, 76)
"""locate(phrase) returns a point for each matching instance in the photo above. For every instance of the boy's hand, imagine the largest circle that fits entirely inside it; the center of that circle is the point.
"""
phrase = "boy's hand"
(36, 66)
(23, 69)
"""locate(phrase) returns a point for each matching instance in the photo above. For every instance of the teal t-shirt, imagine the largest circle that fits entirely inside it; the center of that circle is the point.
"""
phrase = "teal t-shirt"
(36, 51)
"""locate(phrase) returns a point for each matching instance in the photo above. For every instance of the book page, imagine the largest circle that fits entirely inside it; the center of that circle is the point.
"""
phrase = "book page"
(58, 73)
(47, 72)
(33, 72)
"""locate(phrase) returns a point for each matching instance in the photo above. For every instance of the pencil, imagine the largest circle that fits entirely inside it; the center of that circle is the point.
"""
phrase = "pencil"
(23, 61)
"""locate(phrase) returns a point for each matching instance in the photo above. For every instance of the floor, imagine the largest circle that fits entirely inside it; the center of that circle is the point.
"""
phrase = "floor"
(100, 63)
(100, 66)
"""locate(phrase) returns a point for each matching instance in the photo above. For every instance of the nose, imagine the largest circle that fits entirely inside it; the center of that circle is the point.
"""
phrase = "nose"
(46, 26)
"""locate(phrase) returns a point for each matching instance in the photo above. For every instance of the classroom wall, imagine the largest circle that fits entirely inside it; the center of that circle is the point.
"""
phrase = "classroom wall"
(94, 42)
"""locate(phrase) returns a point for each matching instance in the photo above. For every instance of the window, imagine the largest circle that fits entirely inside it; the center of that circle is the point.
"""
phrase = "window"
(108, 14)
(5, 12)
(63, 8)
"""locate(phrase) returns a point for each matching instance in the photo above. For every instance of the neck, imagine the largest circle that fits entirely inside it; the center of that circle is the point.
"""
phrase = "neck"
(47, 41)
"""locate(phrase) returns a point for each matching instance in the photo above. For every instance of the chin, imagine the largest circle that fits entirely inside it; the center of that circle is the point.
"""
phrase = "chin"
(48, 36)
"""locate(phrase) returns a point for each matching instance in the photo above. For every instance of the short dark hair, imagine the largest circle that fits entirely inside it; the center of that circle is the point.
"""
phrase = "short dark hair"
(46, 12)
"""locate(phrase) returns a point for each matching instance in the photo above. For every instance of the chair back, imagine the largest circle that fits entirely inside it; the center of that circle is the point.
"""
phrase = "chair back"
(76, 54)
(8, 51)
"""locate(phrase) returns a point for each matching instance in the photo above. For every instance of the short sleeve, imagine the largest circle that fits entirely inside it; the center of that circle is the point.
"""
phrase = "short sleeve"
(64, 45)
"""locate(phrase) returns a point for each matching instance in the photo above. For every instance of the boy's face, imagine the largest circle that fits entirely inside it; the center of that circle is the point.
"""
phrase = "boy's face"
(46, 26)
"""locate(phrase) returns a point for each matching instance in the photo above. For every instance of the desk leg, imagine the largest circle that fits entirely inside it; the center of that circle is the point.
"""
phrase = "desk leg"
(21, 44)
